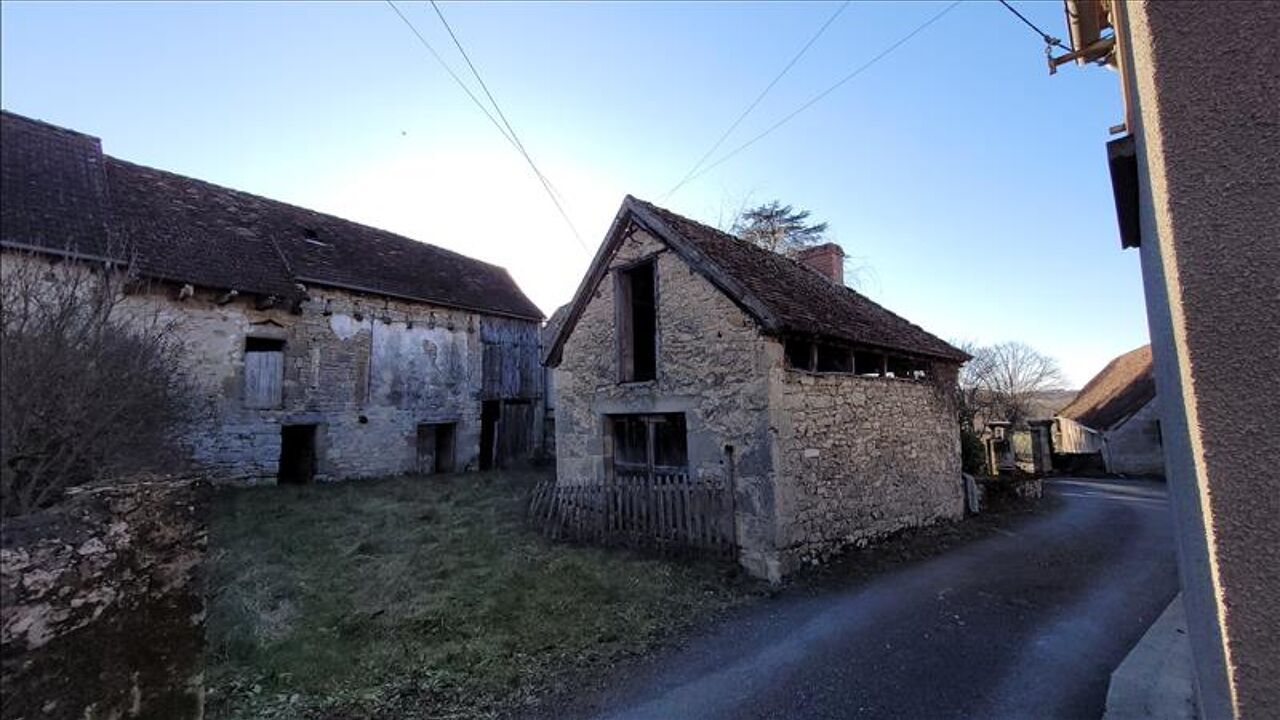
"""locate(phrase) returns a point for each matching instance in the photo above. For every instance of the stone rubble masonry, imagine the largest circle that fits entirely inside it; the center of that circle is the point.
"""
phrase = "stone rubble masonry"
(861, 457)
(102, 614)
(820, 460)
(366, 370)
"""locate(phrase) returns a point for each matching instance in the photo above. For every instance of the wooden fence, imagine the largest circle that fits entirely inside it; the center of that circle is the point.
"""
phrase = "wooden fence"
(665, 511)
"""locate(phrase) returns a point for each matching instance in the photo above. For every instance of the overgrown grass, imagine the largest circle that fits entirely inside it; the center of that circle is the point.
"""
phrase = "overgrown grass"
(424, 597)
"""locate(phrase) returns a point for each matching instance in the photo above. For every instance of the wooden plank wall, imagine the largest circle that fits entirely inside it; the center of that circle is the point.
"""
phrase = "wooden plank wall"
(512, 366)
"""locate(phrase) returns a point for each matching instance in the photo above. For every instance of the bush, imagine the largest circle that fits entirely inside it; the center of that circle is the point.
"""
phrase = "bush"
(973, 455)
(88, 390)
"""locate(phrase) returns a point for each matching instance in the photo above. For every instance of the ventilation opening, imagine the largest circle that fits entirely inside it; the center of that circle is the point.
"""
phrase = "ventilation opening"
(297, 455)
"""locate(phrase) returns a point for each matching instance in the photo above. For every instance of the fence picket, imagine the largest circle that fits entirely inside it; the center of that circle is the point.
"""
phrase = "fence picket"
(671, 512)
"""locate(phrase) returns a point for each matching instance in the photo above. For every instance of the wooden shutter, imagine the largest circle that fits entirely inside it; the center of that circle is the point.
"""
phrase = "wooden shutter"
(263, 379)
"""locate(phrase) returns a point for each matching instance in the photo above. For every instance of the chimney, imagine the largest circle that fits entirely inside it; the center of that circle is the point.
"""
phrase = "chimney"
(826, 259)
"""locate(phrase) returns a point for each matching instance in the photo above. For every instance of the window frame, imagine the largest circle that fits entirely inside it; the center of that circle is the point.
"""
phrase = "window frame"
(624, 321)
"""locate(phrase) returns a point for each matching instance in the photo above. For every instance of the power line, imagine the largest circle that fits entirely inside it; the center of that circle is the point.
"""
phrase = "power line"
(816, 98)
(507, 132)
(734, 126)
(423, 41)
(1048, 39)
(546, 183)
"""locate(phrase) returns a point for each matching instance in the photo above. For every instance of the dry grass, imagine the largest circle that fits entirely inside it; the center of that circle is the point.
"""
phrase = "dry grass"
(424, 597)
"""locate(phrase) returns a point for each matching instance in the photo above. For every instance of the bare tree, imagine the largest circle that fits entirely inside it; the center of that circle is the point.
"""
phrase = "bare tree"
(88, 389)
(1003, 380)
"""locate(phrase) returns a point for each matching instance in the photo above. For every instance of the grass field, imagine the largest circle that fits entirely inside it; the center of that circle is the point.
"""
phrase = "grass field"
(424, 597)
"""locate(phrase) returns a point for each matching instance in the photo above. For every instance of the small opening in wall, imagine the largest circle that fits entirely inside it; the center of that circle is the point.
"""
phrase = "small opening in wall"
(799, 354)
(834, 359)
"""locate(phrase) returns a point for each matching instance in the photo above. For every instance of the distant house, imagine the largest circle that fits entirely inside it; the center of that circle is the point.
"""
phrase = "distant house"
(320, 348)
(1116, 416)
(689, 352)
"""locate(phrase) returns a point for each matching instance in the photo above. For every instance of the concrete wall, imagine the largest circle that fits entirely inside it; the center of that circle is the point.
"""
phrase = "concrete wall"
(1205, 111)
(1134, 447)
(859, 457)
(712, 366)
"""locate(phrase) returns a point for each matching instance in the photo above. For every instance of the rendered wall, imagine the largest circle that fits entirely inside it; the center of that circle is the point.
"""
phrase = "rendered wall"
(1134, 447)
(1206, 108)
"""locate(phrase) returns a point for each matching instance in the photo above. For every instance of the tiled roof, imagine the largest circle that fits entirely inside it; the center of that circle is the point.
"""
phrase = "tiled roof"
(801, 301)
(1123, 387)
(53, 186)
(187, 230)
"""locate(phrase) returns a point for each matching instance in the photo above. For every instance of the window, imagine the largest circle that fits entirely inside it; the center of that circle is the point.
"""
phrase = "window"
(637, 323)
(799, 354)
(263, 373)
(649, 444)
(868, 363)
(834, 359)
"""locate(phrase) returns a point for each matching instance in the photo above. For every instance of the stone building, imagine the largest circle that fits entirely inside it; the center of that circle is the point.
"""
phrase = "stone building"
(319, 348)
(1117, 416)
(685, 348)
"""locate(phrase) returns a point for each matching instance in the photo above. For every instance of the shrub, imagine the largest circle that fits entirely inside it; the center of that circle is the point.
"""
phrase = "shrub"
(88, 390)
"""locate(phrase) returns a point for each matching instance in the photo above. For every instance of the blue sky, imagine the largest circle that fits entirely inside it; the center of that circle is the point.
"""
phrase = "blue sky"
(972, 183)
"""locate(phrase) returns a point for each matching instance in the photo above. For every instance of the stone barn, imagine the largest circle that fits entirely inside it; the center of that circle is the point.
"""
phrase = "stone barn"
(830, 418)
(320, 348)
(1115, 416)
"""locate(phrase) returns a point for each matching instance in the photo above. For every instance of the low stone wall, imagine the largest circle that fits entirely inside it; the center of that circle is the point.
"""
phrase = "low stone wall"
(861, 457)
(102, 613)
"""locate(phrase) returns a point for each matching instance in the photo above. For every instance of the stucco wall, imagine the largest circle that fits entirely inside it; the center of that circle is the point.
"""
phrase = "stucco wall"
(859, 457)
(712, 366)
(1134, 446)
(1206, 107)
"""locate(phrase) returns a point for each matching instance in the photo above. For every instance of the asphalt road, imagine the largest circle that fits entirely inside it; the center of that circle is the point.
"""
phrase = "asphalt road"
(1027, 624)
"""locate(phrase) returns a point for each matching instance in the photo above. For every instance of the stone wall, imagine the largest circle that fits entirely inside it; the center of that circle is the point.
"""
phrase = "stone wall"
(367, 371)
(1134, 447)
(860, 457)
(102, 614)
(712, 366)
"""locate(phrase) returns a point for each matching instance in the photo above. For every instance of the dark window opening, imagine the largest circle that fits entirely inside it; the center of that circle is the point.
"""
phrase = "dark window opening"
(646, 444)
(901, 367)
(637, 321)
(436, 448)
(490, 411)
(868, 363)
(297, 455)
(263, 373)
(257, 344)
(799, 354)
(834, 359)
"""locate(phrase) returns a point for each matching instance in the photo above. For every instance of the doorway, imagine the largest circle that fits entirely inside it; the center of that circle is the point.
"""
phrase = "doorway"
(297, 455)
(490, 411)
(436, 448)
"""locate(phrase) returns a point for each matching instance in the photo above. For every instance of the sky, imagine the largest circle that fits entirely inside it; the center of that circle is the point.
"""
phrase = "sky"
(970, 184)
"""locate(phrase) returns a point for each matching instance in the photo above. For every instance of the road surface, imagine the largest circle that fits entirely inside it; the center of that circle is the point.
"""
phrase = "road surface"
(1026, 624)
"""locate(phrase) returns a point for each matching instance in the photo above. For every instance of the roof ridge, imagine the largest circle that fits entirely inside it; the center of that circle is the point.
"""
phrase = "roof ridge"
(774, 255)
